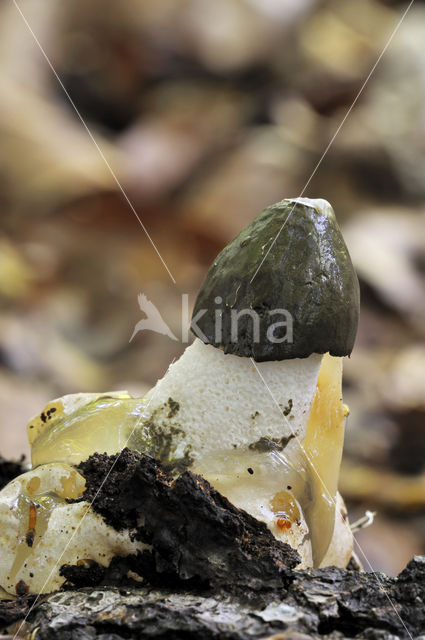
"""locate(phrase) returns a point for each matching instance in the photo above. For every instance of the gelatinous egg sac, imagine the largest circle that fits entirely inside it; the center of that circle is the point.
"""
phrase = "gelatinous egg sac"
(40, 531)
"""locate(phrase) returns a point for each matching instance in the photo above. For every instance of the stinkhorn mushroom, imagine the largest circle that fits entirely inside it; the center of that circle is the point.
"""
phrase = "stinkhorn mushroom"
(260, 412)
(254, 404)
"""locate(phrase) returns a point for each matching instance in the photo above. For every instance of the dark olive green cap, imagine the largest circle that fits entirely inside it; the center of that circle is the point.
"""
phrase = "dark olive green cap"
(291, 257)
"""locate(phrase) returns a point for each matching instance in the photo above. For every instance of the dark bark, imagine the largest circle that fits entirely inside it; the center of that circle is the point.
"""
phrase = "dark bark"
(11, 610)
(9, 469)
(328, 603)
(196, 534)
(213, 572)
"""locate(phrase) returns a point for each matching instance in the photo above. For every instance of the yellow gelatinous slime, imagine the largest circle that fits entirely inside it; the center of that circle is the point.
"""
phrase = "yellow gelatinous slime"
(40, 530)
(101, 425)
(31, 499)
(286, 510)
(322, 445)
(58, 409)
(266, 485)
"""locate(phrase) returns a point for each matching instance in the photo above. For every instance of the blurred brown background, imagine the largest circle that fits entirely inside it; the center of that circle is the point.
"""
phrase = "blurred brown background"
(207, 111)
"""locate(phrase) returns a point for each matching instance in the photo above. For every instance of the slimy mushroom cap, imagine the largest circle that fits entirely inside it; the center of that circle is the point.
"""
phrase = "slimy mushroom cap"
(291, 257)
